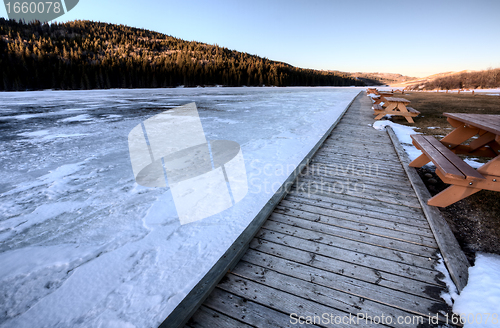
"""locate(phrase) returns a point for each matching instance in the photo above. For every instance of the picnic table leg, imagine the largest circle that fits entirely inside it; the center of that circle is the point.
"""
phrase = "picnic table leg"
(491, 168)
(459, 135)
(402, 109)
(420, 161)
(451, 195)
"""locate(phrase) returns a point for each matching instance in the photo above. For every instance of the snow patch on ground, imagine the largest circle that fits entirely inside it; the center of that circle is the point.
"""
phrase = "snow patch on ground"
(482, 293)
(473, 163)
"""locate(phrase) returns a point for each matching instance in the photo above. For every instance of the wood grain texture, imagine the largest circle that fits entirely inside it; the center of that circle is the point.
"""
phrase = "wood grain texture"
(340, 252)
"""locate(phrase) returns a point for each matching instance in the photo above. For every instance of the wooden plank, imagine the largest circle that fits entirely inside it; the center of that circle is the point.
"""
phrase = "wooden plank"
(453, 256)
(327, 172)
(368, 152)
(344, 269)
(353, 186)
(275, 298)
(200, 292)
(465, 168)
(375, 240)
(366, 169)
(346, 187)
(339, 280)
(282, 230)
(246, 311)
(368, 182)
(357, 139)
(441, 162)
(415, 229)
(308, 289)
(362, 259)
(359, 202)
(395, 99)
(338, 167)
(338, 162)
(208, 318)
(490, 123)
(330, 155)
(400, 222)
(295, 217)
(352, 206)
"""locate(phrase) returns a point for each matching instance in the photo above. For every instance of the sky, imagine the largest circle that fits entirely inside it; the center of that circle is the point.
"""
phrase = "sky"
(415, 38)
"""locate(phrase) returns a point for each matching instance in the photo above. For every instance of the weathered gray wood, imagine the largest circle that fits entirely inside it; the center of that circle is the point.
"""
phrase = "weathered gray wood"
(366, 152)
(340, 252)
(335, 160)
(346, 187)
(364, 164)
(355, 141)
(362, 167)
(366, 182)
(294, 240)
(332, 154)
(276, 299)
(359, 220)
(375, 240)
(413, 297)
(344, 156)
(325, 222)
(358, 202)
(347, 207)
(309, 289)
(327, 172)
(247, 311)
(404, 224)
(453, 256)
(179, 316)
(208, 318)
(281, 230)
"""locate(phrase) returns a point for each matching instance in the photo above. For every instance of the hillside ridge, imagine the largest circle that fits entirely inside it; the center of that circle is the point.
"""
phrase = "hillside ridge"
(95, 55)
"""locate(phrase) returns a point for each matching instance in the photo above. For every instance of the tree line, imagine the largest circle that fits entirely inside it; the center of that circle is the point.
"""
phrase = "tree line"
(95, 55)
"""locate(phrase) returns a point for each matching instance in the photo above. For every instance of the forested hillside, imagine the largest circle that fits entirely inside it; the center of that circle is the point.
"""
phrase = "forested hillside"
(90, 55)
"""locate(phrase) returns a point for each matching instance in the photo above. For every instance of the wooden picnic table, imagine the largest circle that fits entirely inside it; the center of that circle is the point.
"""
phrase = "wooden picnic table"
(464, 180)
(395, 106)
(381, 97)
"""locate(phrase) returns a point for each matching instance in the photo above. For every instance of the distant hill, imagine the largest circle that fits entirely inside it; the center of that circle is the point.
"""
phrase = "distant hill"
(455, 80)
(381, 78)
(90, 55)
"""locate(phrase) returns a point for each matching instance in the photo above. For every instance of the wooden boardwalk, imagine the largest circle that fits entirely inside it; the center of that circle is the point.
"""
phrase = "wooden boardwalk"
(350, 238)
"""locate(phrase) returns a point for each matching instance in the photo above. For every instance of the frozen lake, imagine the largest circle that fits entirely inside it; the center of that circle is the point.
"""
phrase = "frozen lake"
(82, 244)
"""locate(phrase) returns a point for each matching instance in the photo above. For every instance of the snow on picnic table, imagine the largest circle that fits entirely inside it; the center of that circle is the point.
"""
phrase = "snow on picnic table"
(81, 244)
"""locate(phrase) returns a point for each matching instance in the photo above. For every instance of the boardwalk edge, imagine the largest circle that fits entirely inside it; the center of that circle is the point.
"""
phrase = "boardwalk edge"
(454, 258)
(188, 306)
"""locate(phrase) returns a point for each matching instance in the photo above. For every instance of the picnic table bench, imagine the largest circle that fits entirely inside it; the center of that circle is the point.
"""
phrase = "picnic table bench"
(395, 106)
(464, 179)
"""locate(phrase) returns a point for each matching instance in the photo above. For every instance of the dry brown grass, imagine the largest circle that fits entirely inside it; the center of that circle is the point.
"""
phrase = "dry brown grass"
(475, 220)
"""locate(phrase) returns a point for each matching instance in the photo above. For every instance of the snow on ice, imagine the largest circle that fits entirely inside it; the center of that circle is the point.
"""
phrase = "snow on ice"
(81, 244)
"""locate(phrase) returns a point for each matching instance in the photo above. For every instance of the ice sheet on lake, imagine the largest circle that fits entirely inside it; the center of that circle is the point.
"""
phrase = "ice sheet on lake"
(81, 244)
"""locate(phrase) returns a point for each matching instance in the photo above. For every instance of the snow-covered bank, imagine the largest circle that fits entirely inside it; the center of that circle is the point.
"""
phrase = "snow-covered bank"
(81, 244)
(479, 302)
